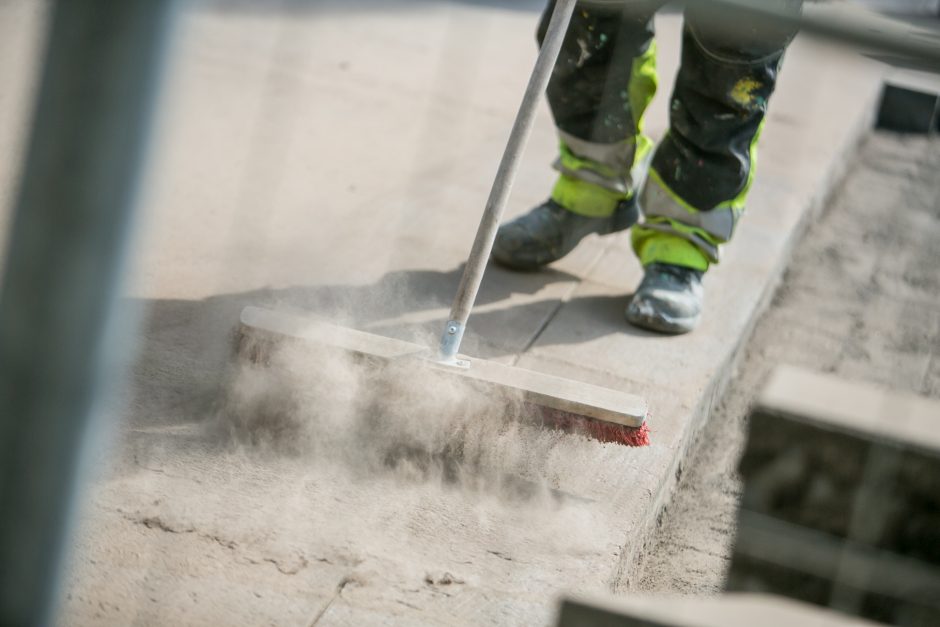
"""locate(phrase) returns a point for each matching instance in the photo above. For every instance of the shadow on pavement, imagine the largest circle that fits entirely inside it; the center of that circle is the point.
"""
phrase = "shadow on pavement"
(186, 346)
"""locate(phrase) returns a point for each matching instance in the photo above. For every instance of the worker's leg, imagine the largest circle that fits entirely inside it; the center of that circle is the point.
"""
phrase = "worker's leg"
(600, 88)
(702, 171)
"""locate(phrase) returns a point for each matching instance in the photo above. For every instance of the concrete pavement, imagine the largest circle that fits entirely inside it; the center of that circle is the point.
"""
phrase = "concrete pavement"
(336, 160)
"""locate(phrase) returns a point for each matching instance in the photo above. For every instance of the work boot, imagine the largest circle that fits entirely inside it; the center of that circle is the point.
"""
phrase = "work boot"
(669, 299)
(549, 232)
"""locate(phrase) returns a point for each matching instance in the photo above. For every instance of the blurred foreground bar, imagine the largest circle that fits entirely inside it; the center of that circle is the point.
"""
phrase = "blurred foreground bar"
(64, 262)
(841, 503)
(901, 42)
(729, 610)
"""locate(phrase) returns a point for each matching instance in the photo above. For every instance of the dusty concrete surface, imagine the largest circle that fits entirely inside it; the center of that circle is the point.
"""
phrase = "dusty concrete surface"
(335, 160)
(859, 300)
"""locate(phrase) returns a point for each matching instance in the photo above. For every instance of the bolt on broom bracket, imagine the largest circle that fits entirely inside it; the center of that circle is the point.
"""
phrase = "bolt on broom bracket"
(450, 344)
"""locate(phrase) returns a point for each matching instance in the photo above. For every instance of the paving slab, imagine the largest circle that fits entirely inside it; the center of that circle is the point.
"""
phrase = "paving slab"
(803, 155)
(727, 610)
(336, 161)
(839, 488)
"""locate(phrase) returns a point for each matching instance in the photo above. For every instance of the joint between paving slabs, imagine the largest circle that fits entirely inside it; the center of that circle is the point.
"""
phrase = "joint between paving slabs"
(566, 298)
(338, 593)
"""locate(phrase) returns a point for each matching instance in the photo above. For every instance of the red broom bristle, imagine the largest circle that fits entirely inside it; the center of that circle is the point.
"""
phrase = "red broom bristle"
(618, 434)
(596, 429)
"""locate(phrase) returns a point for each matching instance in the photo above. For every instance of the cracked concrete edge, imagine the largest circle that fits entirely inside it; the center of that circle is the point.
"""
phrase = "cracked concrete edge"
(629, 568)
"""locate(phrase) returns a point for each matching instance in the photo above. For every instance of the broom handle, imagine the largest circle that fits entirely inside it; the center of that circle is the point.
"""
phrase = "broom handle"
(502, 185)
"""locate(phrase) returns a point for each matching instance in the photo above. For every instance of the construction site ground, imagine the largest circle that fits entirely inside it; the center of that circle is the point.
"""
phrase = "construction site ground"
(335, 159)
(859, 300)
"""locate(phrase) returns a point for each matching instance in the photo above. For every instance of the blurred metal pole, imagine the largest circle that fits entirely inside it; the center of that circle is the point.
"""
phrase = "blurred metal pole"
(846, 24)
(64, 261)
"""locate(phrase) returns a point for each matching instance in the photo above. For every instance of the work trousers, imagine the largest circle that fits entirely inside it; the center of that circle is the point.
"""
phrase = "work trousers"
(698, 177)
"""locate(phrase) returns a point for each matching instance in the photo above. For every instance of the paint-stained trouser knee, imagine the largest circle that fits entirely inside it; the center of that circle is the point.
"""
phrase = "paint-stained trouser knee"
(702, 170)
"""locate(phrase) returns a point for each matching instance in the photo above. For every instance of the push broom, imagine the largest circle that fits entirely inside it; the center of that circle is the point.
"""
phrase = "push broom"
(605, 414)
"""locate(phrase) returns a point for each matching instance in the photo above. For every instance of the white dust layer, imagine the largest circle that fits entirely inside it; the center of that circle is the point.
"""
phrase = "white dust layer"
(403, 418)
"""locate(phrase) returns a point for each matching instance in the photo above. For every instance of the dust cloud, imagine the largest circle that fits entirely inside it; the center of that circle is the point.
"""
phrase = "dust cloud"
(405, 418)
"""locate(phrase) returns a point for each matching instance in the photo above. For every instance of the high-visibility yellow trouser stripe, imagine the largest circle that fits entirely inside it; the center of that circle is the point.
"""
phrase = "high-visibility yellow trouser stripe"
(676, 232)
(593, 188)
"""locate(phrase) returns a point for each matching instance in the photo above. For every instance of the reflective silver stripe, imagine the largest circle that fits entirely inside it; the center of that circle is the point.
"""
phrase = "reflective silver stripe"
(656, 202)
(618, 157)
(710, 250)
(620, 185)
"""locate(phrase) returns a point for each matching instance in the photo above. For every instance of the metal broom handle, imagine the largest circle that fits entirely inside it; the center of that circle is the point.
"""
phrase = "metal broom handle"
(502, 185)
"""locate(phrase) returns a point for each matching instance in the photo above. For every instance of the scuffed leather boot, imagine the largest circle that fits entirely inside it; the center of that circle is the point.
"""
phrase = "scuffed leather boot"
(549, 232)
(668, 300)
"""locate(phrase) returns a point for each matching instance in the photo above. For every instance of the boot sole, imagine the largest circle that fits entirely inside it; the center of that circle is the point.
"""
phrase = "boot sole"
(661, 324)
